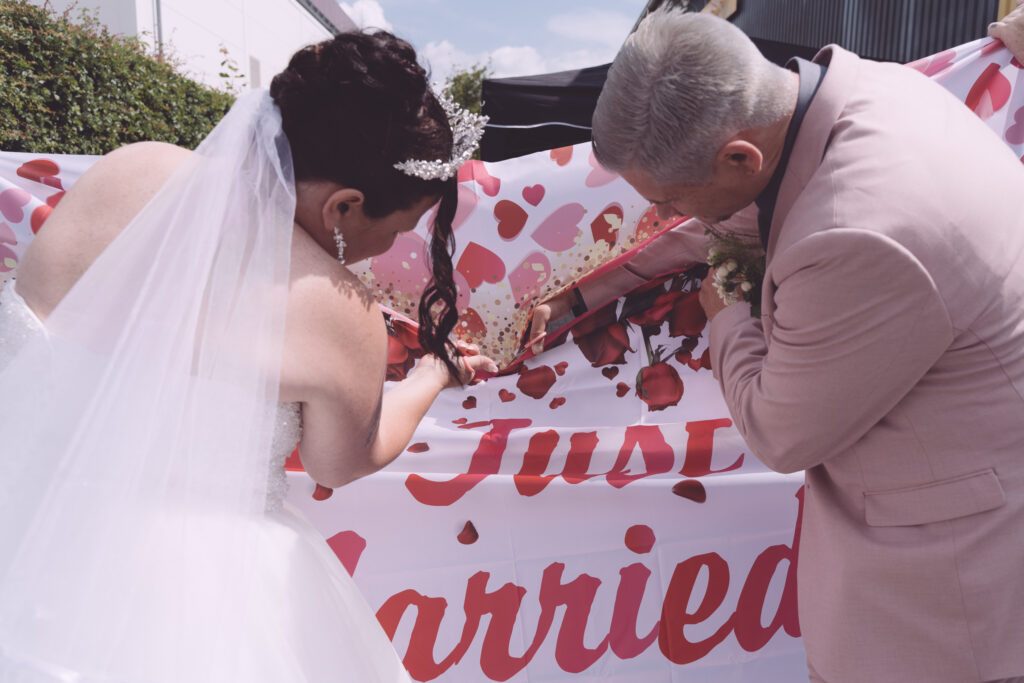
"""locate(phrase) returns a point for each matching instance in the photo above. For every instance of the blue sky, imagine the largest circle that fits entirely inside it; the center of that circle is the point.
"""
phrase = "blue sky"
(514, 38)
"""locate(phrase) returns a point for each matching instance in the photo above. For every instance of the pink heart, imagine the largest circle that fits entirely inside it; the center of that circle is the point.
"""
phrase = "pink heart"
(533, 194)
(7, 235)
(560, 230)
(479, 264)
(11, 203)
(562, 155)
(1015, 133)
(527, 278)
(600, 175)
(474, 169)
(930, 66)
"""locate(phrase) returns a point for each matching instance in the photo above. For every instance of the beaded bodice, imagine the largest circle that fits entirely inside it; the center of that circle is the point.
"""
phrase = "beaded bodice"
(18, 324)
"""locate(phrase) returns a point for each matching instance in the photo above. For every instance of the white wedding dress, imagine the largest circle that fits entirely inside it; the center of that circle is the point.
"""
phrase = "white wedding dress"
(144, 532)
(311, 624)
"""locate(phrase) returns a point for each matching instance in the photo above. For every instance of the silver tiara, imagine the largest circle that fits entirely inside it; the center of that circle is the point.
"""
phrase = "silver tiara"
(467, 129)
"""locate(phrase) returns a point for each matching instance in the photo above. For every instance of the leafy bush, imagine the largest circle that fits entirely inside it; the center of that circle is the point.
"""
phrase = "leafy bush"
(72, 87)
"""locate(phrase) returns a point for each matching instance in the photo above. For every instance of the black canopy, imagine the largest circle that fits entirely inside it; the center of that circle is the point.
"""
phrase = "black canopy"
(534, 113)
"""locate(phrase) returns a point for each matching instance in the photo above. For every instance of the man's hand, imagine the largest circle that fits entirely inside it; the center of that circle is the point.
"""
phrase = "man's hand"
(556, 308)
(709, 298)
(1011, 30)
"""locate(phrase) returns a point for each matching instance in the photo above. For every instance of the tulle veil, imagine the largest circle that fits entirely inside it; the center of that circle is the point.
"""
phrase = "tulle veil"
(136, 429)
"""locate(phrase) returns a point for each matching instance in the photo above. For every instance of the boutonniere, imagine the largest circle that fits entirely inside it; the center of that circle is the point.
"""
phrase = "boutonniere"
(737, 264)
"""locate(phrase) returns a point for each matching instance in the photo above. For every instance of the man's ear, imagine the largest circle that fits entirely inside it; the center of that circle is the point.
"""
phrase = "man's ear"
(741, 156)
(342, 206)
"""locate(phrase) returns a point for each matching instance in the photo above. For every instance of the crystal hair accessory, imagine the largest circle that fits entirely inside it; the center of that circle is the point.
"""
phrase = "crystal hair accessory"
(467, 129)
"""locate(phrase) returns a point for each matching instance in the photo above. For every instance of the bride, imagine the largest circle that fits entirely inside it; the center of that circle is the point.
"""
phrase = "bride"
(181, 322)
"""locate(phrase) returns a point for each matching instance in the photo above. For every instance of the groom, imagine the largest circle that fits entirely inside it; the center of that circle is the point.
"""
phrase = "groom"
(888, 360)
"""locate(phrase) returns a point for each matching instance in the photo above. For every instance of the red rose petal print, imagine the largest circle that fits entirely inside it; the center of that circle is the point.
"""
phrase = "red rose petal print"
(560, 368)
(505, 395)
(511, 219)
(990, 92)
(12, 203)
(608, 224)
(687, 318)
(994, 46)
(469, 403)
(474, 169)
(54, 199)
(537, 382)
(557, 402)
(640, 538)
(39, 216)
(420, 447)
(349, 547)
(460, 421)
(469, 535)
(611, 372)
(479, 264)
(322, 492)
(533, 194)
(43, 171)
(691, 489)
(560, 231)
(621, 389)
(562, 155)
(705, 359)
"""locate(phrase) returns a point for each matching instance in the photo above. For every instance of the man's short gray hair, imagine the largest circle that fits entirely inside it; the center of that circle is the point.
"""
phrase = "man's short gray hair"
(680, 87)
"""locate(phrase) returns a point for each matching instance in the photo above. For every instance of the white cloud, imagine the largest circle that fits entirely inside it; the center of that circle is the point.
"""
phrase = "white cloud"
(593, 26)
(516, 61)
(367, 14)
(443, 59)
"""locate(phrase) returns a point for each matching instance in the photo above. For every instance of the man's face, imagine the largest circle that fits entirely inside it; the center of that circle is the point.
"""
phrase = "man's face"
(731, 188)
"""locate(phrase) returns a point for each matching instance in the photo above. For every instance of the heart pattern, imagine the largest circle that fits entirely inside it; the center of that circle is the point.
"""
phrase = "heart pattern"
(511, 219)
(534, 194)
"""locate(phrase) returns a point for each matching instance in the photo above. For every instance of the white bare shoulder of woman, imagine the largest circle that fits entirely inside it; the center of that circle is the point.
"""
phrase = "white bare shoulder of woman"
(336, 341)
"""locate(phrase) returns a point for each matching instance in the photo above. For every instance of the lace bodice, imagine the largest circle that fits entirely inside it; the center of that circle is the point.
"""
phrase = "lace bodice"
(18, 324)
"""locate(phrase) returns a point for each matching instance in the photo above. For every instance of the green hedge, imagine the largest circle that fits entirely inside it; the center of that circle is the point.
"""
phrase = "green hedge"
(71, 87)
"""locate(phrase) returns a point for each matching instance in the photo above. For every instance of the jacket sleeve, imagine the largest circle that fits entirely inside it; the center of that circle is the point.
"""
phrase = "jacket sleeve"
(681, 247)
(857, 323)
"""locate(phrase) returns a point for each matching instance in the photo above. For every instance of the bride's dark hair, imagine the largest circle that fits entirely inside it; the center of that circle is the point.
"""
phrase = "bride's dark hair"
(354, 106)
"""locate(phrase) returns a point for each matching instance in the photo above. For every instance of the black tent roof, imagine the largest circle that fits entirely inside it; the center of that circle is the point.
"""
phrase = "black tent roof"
(533, 113)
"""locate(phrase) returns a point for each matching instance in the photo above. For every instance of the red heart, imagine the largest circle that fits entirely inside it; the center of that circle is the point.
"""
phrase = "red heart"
(533, 194)
(349, 547)
(474, 169)
(557, 402)
(39, 216)
(479, 264)
(537, 382)
(54, 199)
(607, 224)
(990, 92)
(471, 325)
(11, 203)
(322, 492)
(41, 171)
(469, 403)
(421, 447)
(511, 219)
(621, 389)
(610, 372)
(562, 155)
(560, 368)
(505, 395)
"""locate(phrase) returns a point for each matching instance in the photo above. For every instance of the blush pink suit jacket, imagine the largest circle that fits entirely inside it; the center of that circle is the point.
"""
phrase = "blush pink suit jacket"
(888, 362)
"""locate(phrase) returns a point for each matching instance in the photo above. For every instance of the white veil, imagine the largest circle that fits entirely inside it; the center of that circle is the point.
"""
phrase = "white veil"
(136, 429)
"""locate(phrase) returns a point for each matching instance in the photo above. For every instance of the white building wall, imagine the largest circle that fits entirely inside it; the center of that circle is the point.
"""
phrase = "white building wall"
(259, 36)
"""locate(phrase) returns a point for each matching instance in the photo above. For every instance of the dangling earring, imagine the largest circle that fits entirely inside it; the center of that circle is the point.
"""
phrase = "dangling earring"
(339, 239)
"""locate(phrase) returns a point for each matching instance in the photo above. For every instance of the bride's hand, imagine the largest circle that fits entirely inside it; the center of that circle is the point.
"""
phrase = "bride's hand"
(470, 364)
